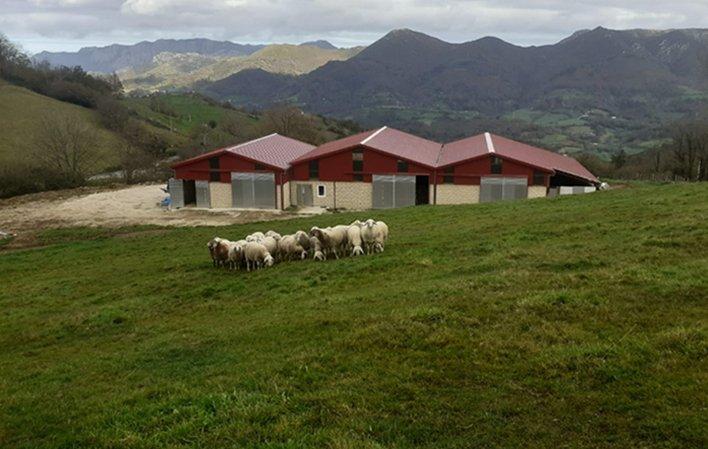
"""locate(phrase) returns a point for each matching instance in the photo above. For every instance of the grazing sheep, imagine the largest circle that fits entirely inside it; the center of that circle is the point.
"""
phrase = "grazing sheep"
(256, 256)
(316, 248)
(333, 239)
(255, 237)
(271, 245)
(289, 247)
(273, 234)
(354, 239)
(368, 237)
(303, 239)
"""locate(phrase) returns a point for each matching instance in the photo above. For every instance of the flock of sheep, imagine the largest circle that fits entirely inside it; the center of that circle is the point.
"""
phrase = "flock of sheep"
(260, 250)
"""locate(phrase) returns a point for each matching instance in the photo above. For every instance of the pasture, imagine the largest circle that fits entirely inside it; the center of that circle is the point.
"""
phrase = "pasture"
(571, 322)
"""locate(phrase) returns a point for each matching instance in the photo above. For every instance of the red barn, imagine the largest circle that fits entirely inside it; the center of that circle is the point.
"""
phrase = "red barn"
(249, 175)
(380, 168)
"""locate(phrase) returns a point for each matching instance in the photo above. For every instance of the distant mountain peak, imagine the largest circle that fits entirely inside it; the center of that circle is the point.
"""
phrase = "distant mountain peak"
(323, 44)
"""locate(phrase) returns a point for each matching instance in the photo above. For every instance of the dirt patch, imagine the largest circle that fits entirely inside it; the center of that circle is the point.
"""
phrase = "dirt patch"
(111, 208)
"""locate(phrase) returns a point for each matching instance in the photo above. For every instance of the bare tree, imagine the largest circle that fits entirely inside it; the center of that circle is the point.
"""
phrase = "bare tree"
(67, 146)
(289, 121)
(690, 152)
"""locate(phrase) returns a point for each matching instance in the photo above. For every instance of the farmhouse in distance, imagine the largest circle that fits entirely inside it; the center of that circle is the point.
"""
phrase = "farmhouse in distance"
(380, 168)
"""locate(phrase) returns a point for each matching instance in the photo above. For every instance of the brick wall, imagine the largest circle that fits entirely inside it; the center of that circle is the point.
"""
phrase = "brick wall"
(537, 192)
(220, 193)
(326, 201)
(457, 194)
(354, 195)
(286, 192)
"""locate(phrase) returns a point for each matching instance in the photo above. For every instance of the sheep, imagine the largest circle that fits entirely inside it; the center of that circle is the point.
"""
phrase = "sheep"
(288, 247)
(316, 248)
(256, 255)
(271, 245)
(255, 237)
(273, 234)
(333, 239)
(235, 254)
(354, 239)
(213, 243)
(374, 234)
(219, 250)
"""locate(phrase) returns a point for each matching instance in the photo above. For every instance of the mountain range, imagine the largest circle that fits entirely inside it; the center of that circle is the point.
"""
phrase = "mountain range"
(600, 89)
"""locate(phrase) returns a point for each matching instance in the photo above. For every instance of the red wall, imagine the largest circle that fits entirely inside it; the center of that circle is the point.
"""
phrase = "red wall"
(469, 172)
(228, 162)
(339, 167)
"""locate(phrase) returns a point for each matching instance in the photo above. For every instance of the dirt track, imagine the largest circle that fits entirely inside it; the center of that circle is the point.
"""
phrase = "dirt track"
(114, 208)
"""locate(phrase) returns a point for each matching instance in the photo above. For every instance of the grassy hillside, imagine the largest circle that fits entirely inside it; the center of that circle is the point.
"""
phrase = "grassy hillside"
(572, 322)
(174, 70)
(21, 120)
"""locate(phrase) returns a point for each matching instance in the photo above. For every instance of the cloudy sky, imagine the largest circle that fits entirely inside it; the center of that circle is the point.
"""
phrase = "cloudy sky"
(70, 24)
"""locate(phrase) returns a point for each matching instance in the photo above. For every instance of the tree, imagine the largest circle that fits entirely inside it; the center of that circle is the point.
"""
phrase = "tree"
(690, 152)
(66, 146)
(619, 159)
(289, 121)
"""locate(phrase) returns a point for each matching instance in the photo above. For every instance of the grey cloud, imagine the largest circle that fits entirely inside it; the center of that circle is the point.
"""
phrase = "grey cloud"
(523, 22)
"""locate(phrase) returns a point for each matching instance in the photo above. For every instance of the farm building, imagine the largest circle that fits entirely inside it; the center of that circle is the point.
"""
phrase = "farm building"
(381, 168)
(250, 175)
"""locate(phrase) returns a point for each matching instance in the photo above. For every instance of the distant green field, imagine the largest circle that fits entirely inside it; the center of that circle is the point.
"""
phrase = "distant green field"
(577, 322)
(21, 113)
(186, 113)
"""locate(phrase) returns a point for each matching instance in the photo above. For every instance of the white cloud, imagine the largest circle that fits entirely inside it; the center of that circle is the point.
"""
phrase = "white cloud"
(523, 22)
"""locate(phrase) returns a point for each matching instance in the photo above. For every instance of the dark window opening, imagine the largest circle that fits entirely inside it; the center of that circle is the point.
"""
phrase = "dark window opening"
(358, 164)
(260, 167)
(402, 166)
(321, 190)
(214, 174)
(496, 166)
(314, 169)
(539, 178)
(449, 177)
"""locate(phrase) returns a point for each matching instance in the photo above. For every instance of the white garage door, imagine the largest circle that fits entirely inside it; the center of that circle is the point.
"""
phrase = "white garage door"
(253, 190)
(499, 189)
(392, 191)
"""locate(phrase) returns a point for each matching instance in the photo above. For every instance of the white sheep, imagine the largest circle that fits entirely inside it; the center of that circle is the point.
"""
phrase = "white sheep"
(288, 247)
(374, 234)
(316, 248)
(273, 234)
(354, 239)
(333, 239)
(271, 245)
(255, 237)
(256, 256)
(235, 254)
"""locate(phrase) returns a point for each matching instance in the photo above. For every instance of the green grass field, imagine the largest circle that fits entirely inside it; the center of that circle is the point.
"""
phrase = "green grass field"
(21, 114)
(570, 322)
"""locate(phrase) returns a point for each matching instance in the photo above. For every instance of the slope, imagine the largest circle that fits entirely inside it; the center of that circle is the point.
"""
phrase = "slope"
(21, 117)
(580, 325)
(175, 70)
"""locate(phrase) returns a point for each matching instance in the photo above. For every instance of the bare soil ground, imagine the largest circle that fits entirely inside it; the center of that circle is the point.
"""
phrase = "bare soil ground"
(111, 208)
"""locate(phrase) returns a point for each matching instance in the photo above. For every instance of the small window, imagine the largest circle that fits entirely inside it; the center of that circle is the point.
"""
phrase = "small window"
(314, 169)
(214, 175)
(260, 167)
(449, 177)
(321, 191)
(358, 164)
(539, 178)
(496, 166)
(402, 166)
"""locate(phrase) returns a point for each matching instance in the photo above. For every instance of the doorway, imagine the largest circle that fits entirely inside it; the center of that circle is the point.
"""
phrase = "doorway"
(422, 190)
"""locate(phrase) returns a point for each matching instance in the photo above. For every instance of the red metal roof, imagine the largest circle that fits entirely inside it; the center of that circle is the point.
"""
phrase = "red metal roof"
(488, 143)
(387, 140)
(274, 150)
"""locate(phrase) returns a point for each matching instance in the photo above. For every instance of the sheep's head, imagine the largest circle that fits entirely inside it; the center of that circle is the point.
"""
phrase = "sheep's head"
(357, 251)
(318, 255)
(273, 234)
(268, 261)
(369, 223)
